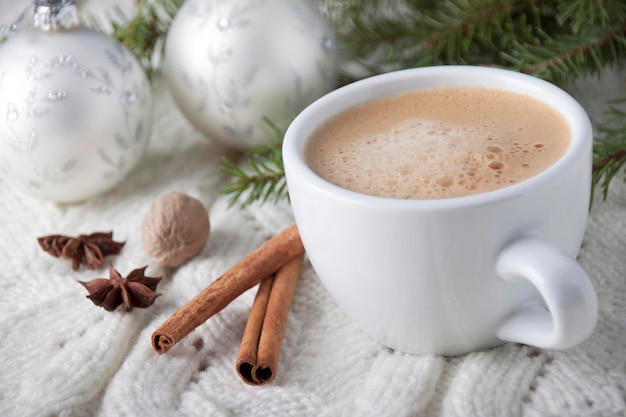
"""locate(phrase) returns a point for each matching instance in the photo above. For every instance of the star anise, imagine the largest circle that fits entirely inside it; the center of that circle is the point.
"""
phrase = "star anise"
(88, 250)
(136, 290)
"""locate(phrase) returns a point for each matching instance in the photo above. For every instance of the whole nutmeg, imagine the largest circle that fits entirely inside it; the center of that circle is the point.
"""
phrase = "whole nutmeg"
(175, 229)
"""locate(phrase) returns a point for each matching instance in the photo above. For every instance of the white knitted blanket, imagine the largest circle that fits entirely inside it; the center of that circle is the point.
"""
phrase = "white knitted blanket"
(62, 356)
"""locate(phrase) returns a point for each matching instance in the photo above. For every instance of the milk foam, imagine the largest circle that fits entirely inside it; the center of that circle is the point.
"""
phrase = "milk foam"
(439, 143)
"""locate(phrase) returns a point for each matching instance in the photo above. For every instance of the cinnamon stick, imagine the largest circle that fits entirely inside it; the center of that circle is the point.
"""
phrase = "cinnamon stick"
(259, 264)
(250, 342)
(263, 335)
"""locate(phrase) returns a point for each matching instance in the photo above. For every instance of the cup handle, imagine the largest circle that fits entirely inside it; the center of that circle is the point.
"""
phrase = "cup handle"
(570, 309)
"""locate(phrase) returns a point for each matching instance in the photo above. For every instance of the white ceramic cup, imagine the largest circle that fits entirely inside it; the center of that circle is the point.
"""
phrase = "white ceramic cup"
(454, 275)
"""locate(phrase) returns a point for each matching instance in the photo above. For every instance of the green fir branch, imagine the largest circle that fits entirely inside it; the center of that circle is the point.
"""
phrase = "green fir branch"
(264, 177)
(466, 31)
(144, 34)
(567, 57)
(442, 32)
(558, 40)
(610, 147)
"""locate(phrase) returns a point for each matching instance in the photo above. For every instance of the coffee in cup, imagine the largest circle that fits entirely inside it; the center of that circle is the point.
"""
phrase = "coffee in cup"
(438, 143)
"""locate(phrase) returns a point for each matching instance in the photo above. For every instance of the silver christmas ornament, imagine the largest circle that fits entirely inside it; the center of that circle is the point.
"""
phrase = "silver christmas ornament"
(230, 63)
(75, 107)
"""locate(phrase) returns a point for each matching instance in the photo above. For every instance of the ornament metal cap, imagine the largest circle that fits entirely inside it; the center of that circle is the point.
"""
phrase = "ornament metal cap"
(53, 15)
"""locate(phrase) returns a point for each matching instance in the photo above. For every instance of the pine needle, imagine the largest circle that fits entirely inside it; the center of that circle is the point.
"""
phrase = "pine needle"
(610, 147)
(263, 179)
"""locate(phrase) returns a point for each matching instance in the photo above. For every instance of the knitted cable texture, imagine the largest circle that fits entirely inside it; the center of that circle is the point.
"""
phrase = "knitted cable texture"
(62, 356)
